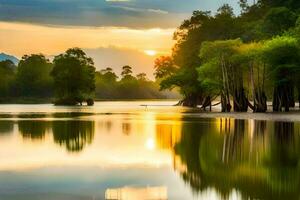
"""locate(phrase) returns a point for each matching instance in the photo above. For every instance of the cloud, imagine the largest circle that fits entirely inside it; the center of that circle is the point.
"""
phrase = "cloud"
(119, 46)
(126, 13)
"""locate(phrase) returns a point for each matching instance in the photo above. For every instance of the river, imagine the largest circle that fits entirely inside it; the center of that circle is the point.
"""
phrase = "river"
(141, 150)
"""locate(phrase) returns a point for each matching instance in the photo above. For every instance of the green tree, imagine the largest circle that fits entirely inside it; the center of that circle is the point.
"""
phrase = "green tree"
(126, 72)
(278, 20)
(74, 78)
(33, 76)
(106, 84)
(283, 61)
(7, 78)
(142, 77)
(221, 75)
(201, 27)
(291, 4)
(252, 57)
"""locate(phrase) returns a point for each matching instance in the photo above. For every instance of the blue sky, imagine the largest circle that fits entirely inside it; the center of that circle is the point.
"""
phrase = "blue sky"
(119, 13)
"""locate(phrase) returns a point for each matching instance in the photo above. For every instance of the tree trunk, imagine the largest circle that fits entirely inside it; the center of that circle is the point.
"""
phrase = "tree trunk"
(226, 106)
(260, 101)
(299, 95)
(276, 100)
(206, 102)
(225, 97)
(192, 100)
(281, 98)
(292, 102)
(240, 101)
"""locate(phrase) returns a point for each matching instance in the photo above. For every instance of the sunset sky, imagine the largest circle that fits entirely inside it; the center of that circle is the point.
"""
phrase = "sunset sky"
(113, 32)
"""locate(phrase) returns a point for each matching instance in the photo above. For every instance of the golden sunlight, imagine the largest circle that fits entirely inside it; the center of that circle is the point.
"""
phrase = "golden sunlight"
(150, 144)
(150, 52)
(50, 40)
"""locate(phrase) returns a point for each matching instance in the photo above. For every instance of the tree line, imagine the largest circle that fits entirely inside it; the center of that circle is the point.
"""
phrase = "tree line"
(70, 79)
(243, 61)
(127, 86)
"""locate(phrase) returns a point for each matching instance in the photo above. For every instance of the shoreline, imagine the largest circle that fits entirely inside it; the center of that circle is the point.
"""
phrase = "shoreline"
(185, 116)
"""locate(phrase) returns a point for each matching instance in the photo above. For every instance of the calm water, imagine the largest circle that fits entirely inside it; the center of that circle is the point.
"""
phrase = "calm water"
(121, 150)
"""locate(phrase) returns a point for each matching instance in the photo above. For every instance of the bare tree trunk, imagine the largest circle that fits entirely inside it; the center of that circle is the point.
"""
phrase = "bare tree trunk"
(226, 106)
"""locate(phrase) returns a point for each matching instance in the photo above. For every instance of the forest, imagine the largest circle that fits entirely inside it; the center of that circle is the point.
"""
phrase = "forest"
(239, 61)
(71, 79)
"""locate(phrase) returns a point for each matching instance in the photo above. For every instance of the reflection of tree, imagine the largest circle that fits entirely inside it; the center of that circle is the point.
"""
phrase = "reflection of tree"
(33, 129)
(74, 135)
(6, 127)
(167, 135)
(188, 150)
(252, 159)
(126, 128)
(284, 158)
(232, 146)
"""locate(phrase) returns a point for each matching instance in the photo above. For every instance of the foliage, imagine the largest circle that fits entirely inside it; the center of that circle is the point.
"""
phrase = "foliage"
(128, 87)
(278, 20)
(164, 67)
(33, 76)
(263, 61)
(74, 77)
(7, 78)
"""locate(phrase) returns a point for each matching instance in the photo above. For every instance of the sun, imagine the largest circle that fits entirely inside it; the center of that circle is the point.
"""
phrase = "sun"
(150, 144)
(150, 52)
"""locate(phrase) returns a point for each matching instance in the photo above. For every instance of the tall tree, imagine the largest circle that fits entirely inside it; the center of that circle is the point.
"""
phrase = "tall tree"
(33, 76)
(7, 77)
(74, 77)
(202, 26)
(278, 20)
(252, 57)
(283, 59)
(126, 72)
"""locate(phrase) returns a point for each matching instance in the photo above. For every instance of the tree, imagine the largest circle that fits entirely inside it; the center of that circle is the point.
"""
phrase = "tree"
(108, 75)
(251, 55)
(142, 77)
(74, 78)
(278, 20)
(126, 72)
(164, 67)
(7, 78)
(221, 74)
(33, 76)
(106, 84)
(283, 59)
(189, 36)
(291, 4)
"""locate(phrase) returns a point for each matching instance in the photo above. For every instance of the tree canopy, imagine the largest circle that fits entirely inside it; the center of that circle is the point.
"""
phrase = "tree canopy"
(74, 77)
(33, 76)
(242, 60)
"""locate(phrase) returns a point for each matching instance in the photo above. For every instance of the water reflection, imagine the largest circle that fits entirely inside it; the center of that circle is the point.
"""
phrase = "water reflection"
(35, 130)
(239, 154)
(221, 158)
(6, 127)
(74, 135)
(126, 127)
